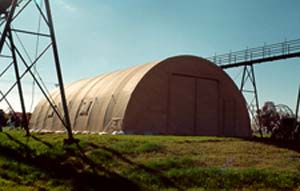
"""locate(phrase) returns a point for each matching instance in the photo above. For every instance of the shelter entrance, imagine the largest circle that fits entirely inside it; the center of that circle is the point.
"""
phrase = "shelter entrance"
(193, 105)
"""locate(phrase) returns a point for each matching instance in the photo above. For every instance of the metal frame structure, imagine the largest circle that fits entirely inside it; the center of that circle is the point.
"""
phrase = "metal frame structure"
(249, 57)
(253, 104)
(7, 39)
(266, 53)
(298, 103)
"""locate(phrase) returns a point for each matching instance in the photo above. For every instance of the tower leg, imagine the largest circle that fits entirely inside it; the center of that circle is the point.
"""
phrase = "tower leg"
(24, 123)
(296, 116)
(59, 73)
(297, 103)
(248, 74)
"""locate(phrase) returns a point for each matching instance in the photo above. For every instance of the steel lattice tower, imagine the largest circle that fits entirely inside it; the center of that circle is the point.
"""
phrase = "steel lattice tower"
(10, 12)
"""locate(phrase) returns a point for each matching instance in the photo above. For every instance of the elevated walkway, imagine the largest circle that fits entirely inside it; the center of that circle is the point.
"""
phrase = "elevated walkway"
(266, 53)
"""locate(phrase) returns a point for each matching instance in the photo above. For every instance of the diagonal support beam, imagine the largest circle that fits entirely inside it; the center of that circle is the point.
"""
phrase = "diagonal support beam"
(249, 76)
(9, 17)
(59, 73)
(19, 84)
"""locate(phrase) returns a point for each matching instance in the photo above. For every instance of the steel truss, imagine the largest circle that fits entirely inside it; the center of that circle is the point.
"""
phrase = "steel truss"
(18, 57)
(248, 57)
(253, 104)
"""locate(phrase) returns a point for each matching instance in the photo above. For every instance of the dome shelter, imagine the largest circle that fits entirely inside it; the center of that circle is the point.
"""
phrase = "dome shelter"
(183, 95)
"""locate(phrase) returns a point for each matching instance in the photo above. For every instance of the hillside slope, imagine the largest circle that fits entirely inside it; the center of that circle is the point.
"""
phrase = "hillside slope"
(42, 162)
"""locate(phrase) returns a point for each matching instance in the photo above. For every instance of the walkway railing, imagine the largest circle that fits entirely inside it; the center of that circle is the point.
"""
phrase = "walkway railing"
(282, 50)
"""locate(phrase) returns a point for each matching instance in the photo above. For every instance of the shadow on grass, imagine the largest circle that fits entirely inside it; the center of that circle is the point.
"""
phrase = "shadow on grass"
(286, 144)
(84, 175)
(164, 180)
(42, 141)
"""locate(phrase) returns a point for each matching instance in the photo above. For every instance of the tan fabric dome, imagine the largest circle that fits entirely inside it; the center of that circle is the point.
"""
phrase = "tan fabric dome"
(182, 95)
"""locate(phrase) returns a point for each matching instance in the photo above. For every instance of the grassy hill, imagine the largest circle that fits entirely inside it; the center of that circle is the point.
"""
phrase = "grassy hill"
(42, 162)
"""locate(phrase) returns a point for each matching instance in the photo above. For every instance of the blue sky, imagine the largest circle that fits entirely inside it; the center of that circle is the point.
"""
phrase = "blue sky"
(100, 36)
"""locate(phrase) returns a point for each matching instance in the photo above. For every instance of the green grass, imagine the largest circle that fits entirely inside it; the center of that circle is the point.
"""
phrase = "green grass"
(42, 162)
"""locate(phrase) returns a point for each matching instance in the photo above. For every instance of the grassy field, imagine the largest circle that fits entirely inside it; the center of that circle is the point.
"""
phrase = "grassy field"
(42, 162)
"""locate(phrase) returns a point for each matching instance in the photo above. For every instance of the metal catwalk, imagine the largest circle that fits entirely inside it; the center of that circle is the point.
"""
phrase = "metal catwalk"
(266, 53)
